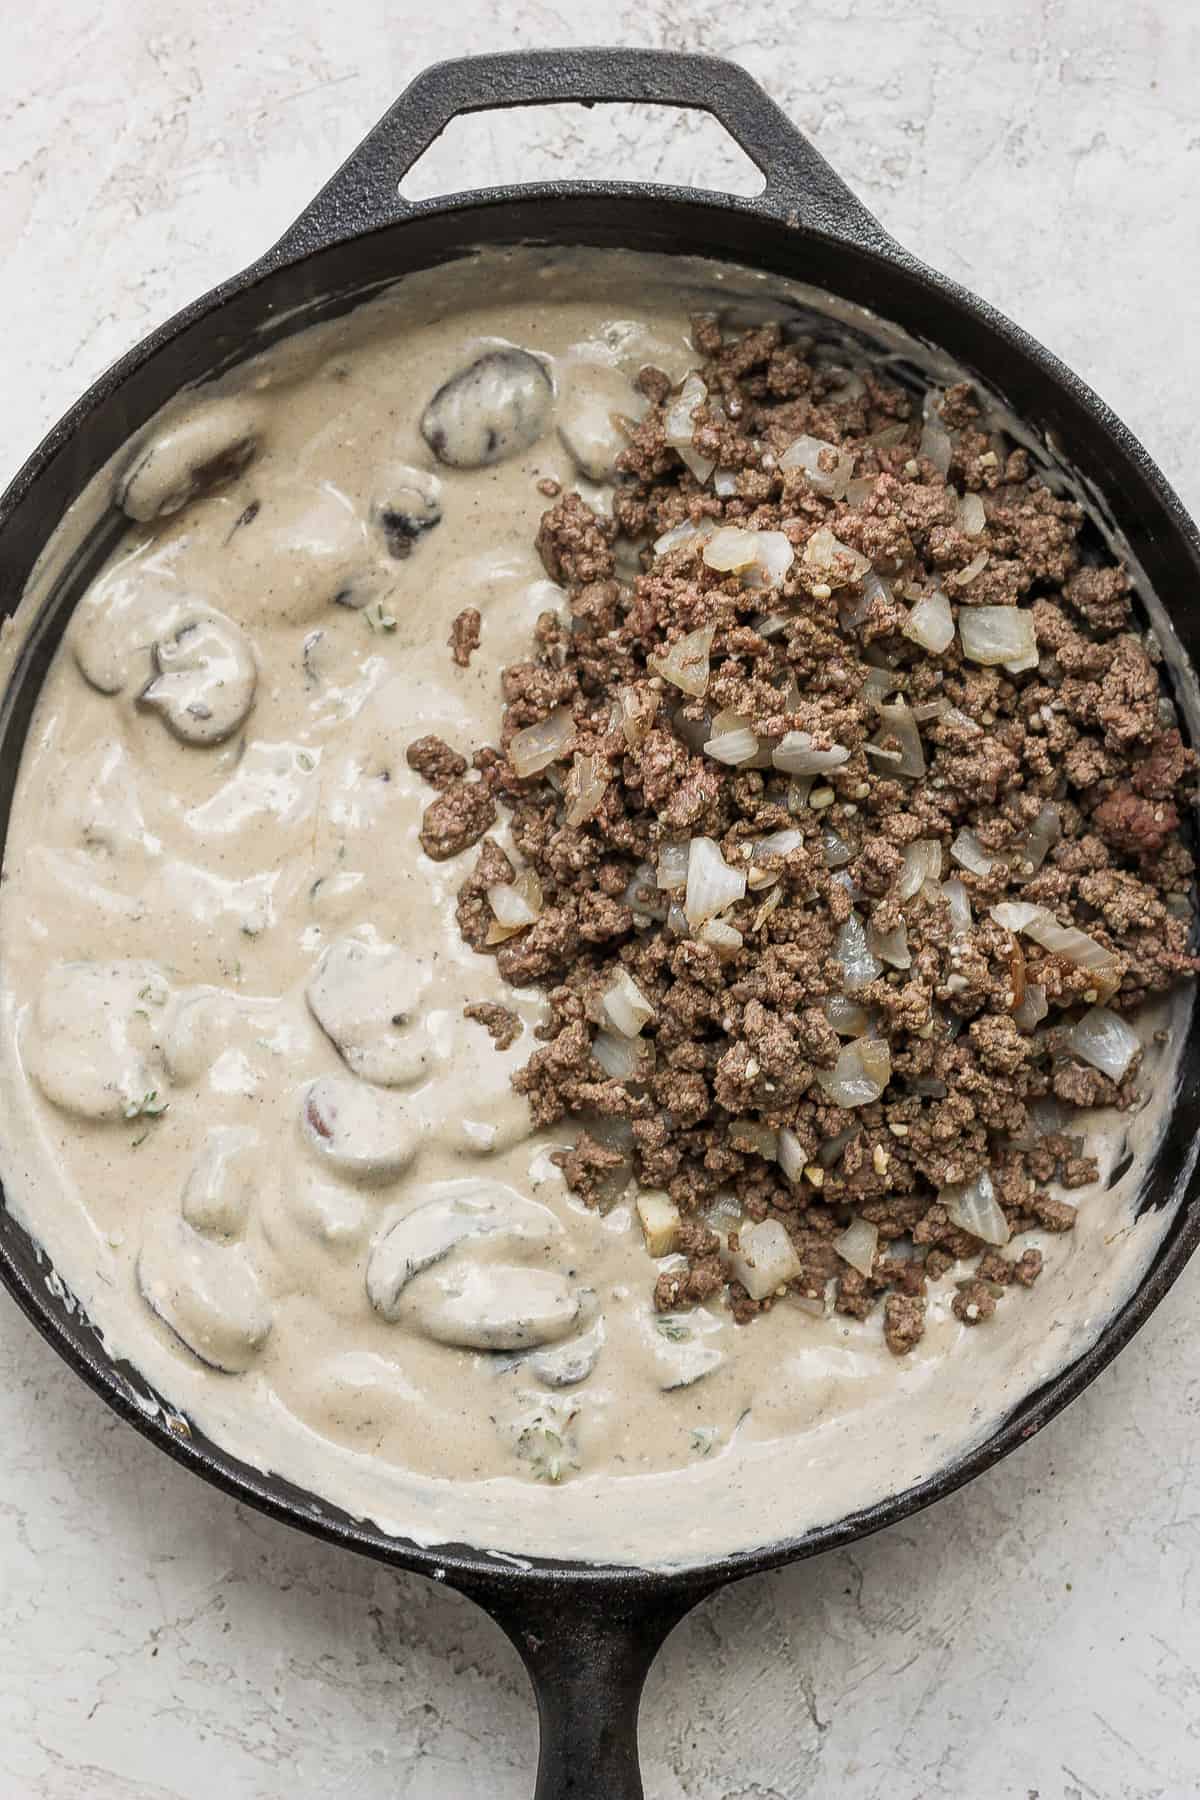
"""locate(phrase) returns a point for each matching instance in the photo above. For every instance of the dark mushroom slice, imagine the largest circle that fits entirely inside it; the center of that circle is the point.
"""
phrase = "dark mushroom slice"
(208, 1294)
(220, 1186)
(495, 408)
(475, 1211)
(91, 1040)
(409, 508)
(361, 1132)
(205, 680)
(204, 449)
(368, 999)
(492, 1306)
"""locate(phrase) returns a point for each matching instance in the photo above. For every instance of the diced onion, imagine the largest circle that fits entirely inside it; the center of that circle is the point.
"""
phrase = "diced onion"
(925, 710)
(959, 902)
(877, 685)
(891, 946)
(860, 489)
(860, 1075)
(725, 483)
(642, 893)
(627, 1008)
(806, 453)
(750, 1135)
(1044, 833)
(620, 1057)
(517, 903)
(684, 536)
(1103, 1039)
(731, 549)
(936, 444)
(765, 1259)
(584, 788)
(637, 714)
(834, 848)
(922, 863)
(857, 1245)
(773, 558)
(898, 724)
(660, 1220)
(711, 884)
(1061, 940)
(733, 747)
(888, 436)
(835, 561)
(874, 590)
(796, 754)
(672, 865)
(686, 664)
(1033, 1007)
(720, 935)
(848, 1018)
(976, 566)
(701, 466)
(679, 421)
(791, 1153)
(1016, 915)
(767, 908)
(537, 746)
(998, 634)
(931, 623)
(973, 1207)
(971, 516)
(850, 947)
(970, 853)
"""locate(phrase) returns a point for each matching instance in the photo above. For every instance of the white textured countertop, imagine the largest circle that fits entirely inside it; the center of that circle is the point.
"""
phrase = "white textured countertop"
(1035, 1636)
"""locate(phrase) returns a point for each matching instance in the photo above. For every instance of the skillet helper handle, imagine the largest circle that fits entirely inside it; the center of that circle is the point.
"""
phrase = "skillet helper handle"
(801, 188)
(588, 1657)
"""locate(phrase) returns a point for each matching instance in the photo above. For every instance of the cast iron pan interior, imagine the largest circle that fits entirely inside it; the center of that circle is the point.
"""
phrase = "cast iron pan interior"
(587, 1635)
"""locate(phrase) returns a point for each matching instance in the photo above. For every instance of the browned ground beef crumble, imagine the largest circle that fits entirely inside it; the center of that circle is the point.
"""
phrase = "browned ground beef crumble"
(740, 1034)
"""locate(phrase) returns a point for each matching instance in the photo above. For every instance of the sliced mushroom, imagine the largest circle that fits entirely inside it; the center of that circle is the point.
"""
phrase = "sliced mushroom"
(495, 408)
(410, 508)
(360, 1131)
(220, 1187)
(208, 1294)
(367, 997)
(115, 625)
(423, 1237)
(92, 1040)
(195, 453)
(568, 1364)
(595, 399)
(309, 548)
(205, 680)
(493, 1306)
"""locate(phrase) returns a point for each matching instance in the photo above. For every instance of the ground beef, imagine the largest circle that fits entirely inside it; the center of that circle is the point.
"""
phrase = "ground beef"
(457, 818)
(464, 635)
(435, 761)
(503, 1025)
(1069, 774)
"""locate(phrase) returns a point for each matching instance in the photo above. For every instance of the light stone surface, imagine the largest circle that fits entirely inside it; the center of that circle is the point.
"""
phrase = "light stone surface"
(1037, 1635)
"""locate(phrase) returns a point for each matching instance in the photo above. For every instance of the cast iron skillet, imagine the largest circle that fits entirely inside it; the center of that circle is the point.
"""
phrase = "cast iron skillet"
(587, 1635)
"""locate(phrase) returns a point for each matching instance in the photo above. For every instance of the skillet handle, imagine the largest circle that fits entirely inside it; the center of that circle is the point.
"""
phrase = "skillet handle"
(801, 188)
(587, 1655)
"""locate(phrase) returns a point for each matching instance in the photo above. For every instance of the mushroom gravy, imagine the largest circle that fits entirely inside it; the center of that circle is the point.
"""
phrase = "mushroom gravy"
(245, 1114)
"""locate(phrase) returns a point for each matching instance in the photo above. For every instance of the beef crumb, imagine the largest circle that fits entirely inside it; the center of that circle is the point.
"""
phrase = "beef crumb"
(1070, 774)
(464, 635)
(502, 1023)
(435, 761)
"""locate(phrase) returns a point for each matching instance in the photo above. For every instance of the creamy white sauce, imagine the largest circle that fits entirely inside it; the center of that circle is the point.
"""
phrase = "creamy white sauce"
(375, 1280)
